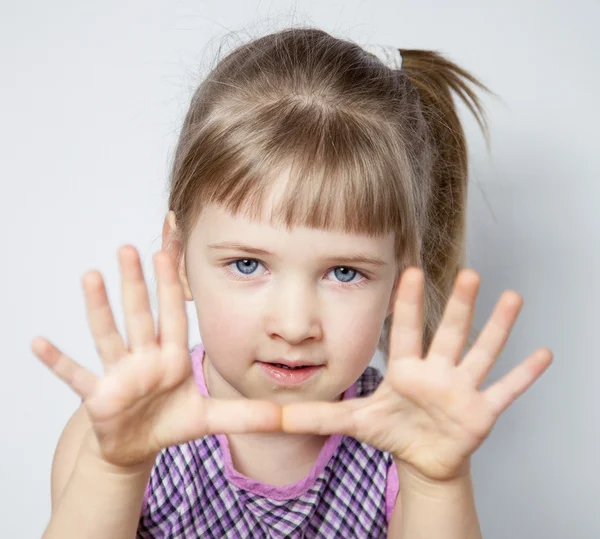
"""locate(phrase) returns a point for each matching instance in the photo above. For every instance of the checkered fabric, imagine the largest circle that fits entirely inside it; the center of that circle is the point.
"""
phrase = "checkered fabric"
(195, 492)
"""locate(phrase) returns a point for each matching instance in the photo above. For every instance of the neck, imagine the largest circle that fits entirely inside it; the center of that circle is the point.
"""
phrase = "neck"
(277, 458)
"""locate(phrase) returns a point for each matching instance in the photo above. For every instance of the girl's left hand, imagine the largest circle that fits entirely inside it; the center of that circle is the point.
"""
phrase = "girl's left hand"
(429, 412)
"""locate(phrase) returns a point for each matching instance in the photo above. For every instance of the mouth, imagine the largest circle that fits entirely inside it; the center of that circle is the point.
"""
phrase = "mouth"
(289, 373)
(283, 366)
(290, 364)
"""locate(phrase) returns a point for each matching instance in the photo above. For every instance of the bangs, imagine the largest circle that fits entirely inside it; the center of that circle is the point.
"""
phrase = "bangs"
(341, 171)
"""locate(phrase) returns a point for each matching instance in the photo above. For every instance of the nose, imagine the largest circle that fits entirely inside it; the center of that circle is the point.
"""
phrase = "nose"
(292, 313)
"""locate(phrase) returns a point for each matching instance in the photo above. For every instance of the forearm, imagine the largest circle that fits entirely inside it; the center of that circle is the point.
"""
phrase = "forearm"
(99, 501)
(436, 510)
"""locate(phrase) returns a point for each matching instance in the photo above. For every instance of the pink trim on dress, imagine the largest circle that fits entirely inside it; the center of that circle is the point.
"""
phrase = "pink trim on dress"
(391, 491)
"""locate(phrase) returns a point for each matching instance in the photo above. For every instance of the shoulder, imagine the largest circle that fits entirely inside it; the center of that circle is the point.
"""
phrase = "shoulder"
(178, 468)
(363, 470)
(178, 461)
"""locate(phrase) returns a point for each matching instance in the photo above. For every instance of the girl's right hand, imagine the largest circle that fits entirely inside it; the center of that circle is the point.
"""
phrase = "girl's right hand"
(147, 398)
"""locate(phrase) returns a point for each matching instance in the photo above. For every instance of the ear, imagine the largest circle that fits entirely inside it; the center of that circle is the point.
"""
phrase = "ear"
(172, 245)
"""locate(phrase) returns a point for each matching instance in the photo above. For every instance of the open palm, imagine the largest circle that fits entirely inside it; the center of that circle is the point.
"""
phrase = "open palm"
(430, 412)
(147, 398)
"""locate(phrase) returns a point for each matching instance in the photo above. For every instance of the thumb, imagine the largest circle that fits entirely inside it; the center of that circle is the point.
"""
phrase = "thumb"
(320, 417)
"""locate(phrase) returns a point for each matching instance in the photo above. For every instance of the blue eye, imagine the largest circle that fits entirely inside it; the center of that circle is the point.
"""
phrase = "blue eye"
(247, 266)
(345, 275)
(241, 268)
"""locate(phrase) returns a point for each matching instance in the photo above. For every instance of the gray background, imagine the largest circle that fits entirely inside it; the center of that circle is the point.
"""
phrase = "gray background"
(92, 96)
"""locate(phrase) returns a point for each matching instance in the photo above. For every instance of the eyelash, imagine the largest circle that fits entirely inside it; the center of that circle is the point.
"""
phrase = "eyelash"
(240, 277)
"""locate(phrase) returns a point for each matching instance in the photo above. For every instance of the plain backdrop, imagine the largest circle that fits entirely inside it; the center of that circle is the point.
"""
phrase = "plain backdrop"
(92, 97)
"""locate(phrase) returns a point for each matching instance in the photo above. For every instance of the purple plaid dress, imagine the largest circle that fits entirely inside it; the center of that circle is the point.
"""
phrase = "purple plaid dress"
(194, 490)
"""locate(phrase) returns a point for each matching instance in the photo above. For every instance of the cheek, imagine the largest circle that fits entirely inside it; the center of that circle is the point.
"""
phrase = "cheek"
(356, 329)
(224, 321)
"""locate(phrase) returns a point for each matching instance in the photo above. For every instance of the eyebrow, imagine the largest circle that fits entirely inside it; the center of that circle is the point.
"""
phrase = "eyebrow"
(346, 259)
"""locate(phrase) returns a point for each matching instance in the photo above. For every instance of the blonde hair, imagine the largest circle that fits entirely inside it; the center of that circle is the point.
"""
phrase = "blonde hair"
(368, 149)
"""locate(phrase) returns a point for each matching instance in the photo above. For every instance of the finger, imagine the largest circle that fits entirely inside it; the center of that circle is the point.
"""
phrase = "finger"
(172, 318)
(189, 416)
(504, 392)
(406, 333)
(78, 378)
(139, 322)
(241, 416)
(480, 359)
(217, 416)
(108, 340)
(451, 336)
(320, 417)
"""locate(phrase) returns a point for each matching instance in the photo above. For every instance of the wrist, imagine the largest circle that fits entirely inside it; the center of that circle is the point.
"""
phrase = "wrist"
(91, 458)
(437, 508)
(413, 480)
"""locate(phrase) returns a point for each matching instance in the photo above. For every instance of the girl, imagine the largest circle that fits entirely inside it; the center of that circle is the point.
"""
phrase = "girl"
(317, 188)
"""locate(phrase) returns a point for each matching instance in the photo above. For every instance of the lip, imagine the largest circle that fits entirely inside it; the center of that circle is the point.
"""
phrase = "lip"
(289, 377)
(291, 362)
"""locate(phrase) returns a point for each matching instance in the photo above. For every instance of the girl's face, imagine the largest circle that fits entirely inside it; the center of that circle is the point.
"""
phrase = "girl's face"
(263, 294)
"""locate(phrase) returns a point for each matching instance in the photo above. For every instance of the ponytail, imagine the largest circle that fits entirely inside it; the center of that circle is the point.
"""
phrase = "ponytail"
(444, 238)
